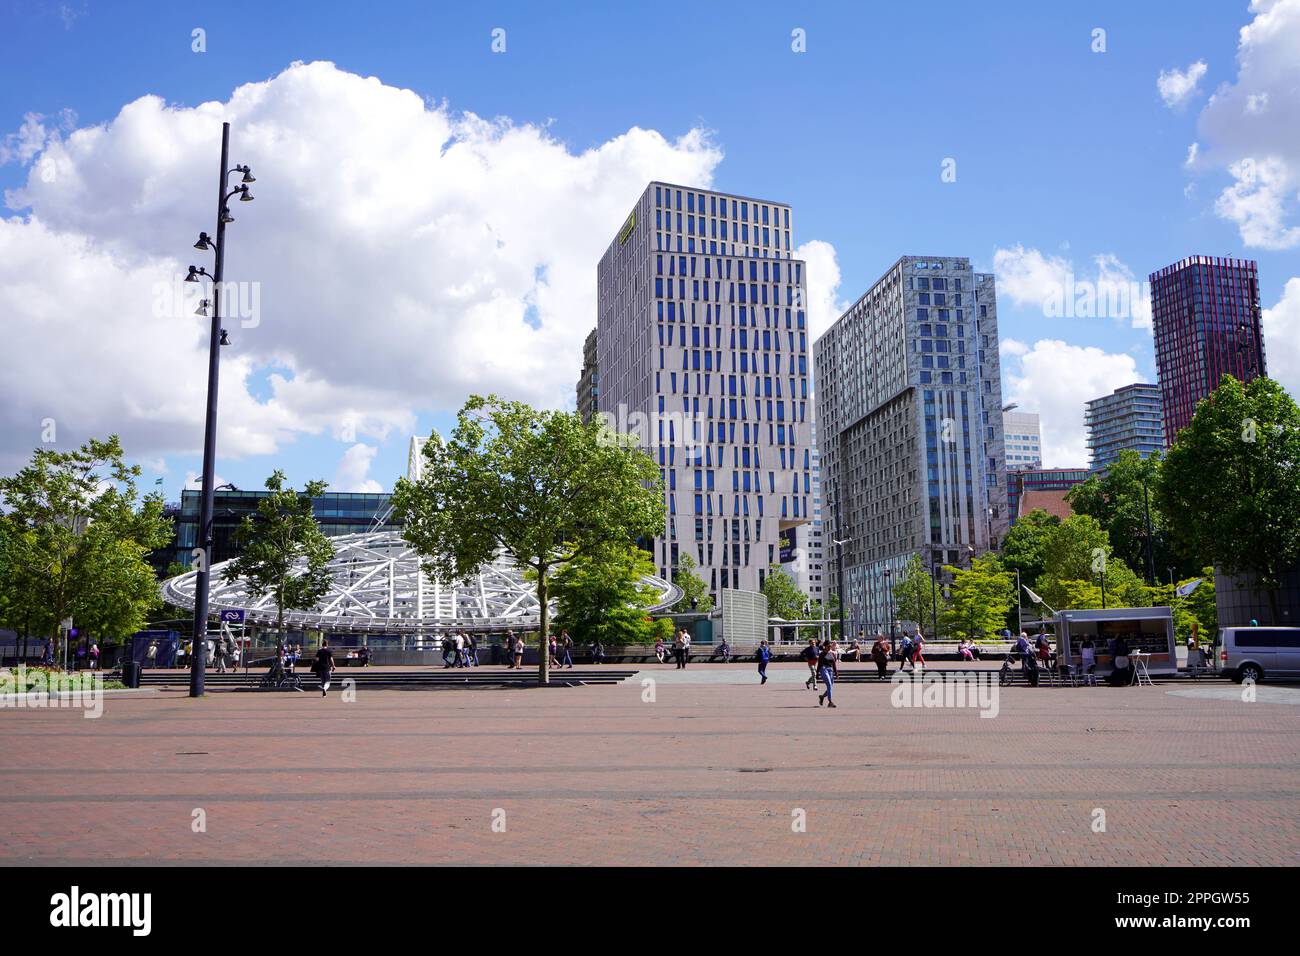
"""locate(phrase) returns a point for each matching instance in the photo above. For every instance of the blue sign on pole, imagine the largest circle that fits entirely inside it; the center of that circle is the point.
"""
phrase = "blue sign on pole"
(232, 616)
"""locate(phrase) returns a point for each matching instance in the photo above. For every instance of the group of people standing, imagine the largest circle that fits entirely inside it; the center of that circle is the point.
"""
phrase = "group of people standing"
(459, 649)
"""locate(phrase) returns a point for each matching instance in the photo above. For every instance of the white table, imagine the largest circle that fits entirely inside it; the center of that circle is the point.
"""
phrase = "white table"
(1140, 668)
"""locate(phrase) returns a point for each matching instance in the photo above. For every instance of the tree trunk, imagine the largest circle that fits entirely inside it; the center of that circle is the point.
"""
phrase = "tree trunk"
(544, 617)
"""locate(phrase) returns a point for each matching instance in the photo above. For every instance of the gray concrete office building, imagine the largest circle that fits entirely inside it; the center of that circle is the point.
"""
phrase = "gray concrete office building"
(701, 345)
(910, 429)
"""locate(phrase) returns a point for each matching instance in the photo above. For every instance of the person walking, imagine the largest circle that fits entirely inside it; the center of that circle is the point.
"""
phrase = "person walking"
(905, 653)
(471, 650)
(918, 649)
(94, 655)
(686, 647)
(880, 655)
(518, 649)
(828, 663)
(810, 654)
(221, 656)
(554, 646)
(566, 650)
(324, 666)
(764, 655)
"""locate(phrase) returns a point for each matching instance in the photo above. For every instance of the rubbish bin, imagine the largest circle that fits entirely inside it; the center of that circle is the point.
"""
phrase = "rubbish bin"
(131, 674)
(496, 653)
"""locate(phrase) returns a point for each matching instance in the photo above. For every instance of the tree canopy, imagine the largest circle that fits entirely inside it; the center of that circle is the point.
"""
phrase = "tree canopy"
(75, 538)
(273, 539)
(1230, 485)
(694, 588)
(600, 596)
(543, 486)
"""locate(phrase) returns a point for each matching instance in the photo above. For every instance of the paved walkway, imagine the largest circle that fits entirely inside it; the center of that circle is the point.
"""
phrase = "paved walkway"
(707, 773)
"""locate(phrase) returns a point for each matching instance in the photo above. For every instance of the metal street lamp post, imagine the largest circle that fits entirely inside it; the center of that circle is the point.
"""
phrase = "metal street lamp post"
(934, 602)
(217, 338)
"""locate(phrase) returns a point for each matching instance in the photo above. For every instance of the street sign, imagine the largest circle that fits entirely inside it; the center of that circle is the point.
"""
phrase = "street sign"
(232, 616)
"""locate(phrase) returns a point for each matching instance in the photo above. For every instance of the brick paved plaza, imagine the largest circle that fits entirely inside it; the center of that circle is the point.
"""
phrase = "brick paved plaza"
(709, 773)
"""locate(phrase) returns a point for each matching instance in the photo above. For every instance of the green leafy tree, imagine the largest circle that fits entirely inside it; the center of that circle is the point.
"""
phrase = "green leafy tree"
(694, 588)
(274, 540)
(602, 595)
(1023, 547)
(914, 594)
(1230, 485)
(1120, 500)
(76, 532)
(1198, 607)
(978, 598)
(543, 486)
(784, 599)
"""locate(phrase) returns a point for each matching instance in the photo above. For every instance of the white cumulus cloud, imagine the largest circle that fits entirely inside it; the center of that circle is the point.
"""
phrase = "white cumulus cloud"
(1178, 86)
(1108, 290)
(352, 473)
(403, 255)
(1282, 338)
(822, 278)
(1055, 379)
(1251, 129)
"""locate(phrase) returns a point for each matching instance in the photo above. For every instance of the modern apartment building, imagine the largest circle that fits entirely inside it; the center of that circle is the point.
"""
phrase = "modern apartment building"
(1024, 439)
(909, 420)
(1205, 317)
(1127, 418)
(588, 379)
(701, 346)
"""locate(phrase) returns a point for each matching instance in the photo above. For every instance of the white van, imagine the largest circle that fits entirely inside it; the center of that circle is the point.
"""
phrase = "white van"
(1256, 653)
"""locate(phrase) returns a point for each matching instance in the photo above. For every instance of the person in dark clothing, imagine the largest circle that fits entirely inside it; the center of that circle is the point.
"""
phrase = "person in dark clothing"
(764, 655)
(880, 655)
(810, 654)
(324, 666)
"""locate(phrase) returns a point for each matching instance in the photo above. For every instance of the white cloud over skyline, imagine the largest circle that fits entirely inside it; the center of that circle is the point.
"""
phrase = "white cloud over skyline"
(423, 255)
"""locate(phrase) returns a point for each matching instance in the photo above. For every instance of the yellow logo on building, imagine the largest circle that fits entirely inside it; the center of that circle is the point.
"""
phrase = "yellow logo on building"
(627, 229)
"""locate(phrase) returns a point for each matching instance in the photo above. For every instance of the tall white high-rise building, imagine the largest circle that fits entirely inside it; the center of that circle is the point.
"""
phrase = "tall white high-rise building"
(1023, 439)
(702, 346)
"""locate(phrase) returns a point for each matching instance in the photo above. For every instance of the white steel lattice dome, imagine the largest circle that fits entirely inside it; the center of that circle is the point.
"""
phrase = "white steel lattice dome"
(378, 587)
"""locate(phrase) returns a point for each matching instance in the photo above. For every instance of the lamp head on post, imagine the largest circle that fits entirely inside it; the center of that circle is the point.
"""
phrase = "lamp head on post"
(205, 243)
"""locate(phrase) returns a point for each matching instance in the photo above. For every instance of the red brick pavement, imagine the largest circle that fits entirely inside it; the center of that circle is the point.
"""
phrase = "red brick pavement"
(707, 774)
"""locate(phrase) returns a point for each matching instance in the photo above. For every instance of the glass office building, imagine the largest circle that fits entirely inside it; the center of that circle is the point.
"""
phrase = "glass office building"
(910, 430)
(337, 513)
(1205, 317)
(702, 350)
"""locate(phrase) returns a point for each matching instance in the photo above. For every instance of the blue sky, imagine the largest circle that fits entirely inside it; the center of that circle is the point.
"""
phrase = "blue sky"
(1061, 152)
